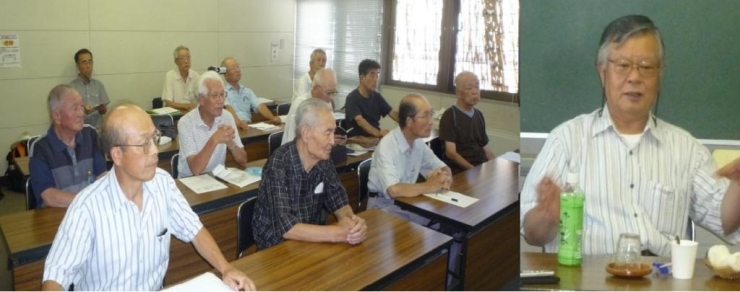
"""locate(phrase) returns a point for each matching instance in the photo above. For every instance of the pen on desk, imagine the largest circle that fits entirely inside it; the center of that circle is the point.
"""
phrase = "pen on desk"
(446, 197)
(163, 232)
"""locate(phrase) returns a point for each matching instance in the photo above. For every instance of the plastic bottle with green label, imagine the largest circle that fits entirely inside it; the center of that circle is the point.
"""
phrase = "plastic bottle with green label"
(570, 235)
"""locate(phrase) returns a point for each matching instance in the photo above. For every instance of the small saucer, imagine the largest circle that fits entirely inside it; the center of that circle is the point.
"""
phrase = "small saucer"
(256, 171)
(642, 271)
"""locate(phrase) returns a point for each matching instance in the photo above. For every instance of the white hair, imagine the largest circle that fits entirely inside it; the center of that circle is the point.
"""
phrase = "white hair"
(209, 75)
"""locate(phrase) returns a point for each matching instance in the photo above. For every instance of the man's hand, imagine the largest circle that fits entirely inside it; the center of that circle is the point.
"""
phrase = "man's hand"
(439, 180)
(383, 132)
(89, 109)
(340, 140)
(548, 200)
(237, 280)
(224, 134)
(355, 228)
(102, 109)
(276, 121)
(242, 124)
(731, 170)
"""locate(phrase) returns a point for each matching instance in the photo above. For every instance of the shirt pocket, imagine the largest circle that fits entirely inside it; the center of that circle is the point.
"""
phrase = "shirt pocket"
(666, 208)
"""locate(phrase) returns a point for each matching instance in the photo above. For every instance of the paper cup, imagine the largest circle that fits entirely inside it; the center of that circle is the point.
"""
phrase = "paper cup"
(683, 258)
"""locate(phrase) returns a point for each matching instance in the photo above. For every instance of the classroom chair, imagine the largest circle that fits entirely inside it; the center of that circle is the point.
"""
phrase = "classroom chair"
(244, 233)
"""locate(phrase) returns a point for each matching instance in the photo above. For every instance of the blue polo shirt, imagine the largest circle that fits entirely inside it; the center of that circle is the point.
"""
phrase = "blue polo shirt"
(55, 165)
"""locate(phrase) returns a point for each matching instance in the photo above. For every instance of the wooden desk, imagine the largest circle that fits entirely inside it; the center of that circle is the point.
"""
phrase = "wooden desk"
(397, 255)
(592, 275)
(490, 226)
(29, 234)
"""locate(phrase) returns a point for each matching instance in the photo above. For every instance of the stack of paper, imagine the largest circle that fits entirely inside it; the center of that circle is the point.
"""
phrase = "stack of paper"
(358, 147)
(205, 282)
(202, 183)
(264, 126)
(164, 111)
(339, 116)
(235, 176)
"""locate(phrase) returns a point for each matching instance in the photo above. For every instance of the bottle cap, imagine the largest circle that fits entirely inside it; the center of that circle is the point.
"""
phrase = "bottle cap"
(572, 177)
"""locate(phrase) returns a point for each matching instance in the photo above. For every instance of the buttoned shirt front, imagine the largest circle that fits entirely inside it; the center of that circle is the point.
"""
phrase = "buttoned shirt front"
(289, 195)
(395, 161)
(243, 100)
(302, 86)
(193, 134)
(651, 189)
(106, 243)
(92, 93)
(178, 89)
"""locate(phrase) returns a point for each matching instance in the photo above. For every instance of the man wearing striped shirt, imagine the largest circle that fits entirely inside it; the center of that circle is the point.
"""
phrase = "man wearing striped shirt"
(640, 174)
(116, 233)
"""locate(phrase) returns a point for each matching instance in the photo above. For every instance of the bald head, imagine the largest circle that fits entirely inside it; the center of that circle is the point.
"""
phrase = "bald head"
(410, 105)
(467, 90)
(124, 119)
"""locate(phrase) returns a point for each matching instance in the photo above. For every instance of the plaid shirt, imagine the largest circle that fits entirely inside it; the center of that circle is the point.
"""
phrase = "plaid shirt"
(289, 195)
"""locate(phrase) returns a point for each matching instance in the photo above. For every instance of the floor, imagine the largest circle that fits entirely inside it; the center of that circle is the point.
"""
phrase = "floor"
(13, 202)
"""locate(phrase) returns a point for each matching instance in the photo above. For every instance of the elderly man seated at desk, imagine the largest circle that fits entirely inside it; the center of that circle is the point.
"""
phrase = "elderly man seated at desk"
(116, 233)
(240, 100)
(208, 131)
(67, 158)
(299, 182)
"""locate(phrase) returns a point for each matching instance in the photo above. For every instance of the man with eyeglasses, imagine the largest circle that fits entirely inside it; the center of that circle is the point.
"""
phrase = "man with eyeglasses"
(91, 90)
(208, 131)
(67, 157)
(463, 127)
(640, 174)
(116, 233)
(402, 155)
(365, 106)
(180, 86)
(240, 100)
(324, 88)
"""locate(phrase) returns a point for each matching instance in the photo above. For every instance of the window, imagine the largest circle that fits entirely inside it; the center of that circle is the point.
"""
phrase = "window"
(349, 32)
(434, 40)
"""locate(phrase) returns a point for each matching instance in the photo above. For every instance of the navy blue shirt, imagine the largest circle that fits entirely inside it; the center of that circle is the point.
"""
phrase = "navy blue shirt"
(372, 110)
(55, 165)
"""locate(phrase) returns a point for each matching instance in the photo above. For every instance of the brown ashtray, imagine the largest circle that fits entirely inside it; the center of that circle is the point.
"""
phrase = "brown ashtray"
(631, 272)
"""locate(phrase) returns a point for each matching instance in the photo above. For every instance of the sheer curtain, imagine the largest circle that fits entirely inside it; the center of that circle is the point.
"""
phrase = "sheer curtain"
(417, 41)
(487, 43)
(348, 30)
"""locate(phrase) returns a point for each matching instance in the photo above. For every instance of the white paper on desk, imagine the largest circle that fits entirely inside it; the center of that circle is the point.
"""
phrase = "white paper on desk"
(339, 116)
(165, 110)
(205, 282)
(264, 100)
(356, 153)
(511, 156)
(358, 147)
(202, 183)
(463, 201)
(235, 176)
(264, 126)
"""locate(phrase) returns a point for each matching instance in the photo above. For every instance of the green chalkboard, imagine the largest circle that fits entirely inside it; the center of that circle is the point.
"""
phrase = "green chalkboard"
(700, 89)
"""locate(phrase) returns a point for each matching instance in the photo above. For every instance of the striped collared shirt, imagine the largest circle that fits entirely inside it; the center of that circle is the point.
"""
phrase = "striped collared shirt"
(193, 134)
(651, 189)
(105, 243)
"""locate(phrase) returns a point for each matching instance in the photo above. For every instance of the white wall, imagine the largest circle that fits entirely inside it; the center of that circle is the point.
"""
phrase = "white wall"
(132, 42)
(502, 119)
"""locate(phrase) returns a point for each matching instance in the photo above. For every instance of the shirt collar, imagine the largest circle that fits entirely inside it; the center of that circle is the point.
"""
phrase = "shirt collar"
(604, 122)
(229, 87)
(117, 198)
(82, 80)
(401, 142)
(57, 144)
(201, 123)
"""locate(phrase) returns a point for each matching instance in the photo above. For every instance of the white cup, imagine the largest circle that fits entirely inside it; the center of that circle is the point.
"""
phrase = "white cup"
(683, 258)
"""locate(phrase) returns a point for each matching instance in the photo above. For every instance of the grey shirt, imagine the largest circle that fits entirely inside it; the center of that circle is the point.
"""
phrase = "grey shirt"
(92, 93)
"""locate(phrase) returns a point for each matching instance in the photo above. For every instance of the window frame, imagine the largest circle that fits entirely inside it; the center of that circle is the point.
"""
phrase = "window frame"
(445, 74)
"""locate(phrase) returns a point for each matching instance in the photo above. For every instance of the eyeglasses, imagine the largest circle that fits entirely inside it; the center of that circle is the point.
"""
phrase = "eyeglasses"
(184, 57)
(86, 62)
(329, 92)
(426, 116)
(624, 67)
(147, 144)
(217, 95)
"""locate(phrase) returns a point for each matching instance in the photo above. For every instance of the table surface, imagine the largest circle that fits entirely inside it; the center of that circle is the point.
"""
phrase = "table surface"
(592, 275)
(494, 183)
(392, 244)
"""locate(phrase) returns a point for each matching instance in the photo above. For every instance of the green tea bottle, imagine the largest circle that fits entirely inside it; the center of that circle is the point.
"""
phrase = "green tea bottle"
(571, 223)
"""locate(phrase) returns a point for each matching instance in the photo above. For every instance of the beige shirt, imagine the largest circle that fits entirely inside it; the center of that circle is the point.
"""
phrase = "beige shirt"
(179, 90)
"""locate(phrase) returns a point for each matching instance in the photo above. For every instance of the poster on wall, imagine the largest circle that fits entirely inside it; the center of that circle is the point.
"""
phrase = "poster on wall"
(10, 50)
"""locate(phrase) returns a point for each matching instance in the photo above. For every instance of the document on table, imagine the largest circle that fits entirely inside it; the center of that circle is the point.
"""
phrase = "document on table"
(453, 198)
(164, 110)
(358, 147)
(235, 176)
(205, 282)
(512, 156)
(264, 126)
(202, 183)
(339, 116)
(284, 118)
(264, 100)
(356, 153)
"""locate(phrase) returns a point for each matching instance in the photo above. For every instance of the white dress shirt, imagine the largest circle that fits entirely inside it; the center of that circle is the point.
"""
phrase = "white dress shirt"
(650, 189)
(193, 134)
(179, 90)
(290, 125)
(302, 86)
(106, 243)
